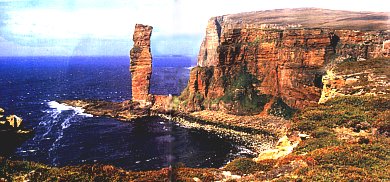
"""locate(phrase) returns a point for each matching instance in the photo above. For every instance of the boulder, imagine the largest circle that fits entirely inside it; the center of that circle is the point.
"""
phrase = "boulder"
(14, 121)
(1, 114)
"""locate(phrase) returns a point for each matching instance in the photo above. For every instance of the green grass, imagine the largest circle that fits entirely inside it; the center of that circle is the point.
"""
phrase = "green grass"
(336, 159)
(317, 143)
(242, 94)
(247, 166)
(23, 170)
(358, 113)
(378, 65)
(281, 109)
(361, 162)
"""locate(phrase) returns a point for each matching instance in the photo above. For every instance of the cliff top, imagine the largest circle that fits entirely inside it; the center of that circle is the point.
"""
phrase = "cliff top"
(312, 18)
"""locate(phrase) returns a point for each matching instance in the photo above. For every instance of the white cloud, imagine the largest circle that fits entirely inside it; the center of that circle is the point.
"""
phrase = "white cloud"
(69, 24)
(168, 17)
(115, 19)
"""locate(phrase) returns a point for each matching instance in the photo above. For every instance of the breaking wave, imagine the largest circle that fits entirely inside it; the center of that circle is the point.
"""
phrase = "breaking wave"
(62, 107)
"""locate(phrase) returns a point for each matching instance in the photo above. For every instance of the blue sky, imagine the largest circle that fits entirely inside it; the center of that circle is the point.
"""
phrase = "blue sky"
(105, 27)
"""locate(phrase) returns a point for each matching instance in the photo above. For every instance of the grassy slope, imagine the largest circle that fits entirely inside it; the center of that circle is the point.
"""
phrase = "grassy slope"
(23, 170)
(361, 153)
(331, 155)
(317, 18)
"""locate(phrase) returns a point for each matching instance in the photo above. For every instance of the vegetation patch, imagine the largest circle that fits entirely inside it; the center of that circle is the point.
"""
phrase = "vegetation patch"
(242, 95)
(343, 159)
(31, 171)
(362, 162)
(358, 113)
(189, 174)
(247, 166)
(281, 109)
(317, 143)
(328, 156)
(378, 65)
(136, 49)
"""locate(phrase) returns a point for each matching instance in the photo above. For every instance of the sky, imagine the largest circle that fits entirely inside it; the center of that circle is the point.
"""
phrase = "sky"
(105, 27)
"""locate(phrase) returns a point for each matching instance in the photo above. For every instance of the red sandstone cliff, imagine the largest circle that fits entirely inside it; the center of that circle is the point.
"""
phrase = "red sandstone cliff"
(141, 64)
(285, 51)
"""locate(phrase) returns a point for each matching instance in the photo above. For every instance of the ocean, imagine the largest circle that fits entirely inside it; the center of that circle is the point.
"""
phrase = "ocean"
(31, 87)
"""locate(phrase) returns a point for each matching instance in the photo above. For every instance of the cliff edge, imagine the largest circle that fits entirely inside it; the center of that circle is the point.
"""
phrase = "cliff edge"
(273, 61)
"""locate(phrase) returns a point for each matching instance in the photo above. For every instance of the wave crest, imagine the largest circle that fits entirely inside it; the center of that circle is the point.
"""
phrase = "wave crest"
(62, 107)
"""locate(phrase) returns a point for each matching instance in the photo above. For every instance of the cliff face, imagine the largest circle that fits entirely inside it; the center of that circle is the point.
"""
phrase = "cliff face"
(286, 60)
(141, 64)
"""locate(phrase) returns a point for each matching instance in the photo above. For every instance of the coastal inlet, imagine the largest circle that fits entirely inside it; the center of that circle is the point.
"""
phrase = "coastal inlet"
(67, 136)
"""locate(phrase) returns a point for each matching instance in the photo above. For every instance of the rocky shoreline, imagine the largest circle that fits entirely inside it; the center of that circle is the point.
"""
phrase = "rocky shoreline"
(255, 140)
(258, 137)
(12, 133)
(123, 111)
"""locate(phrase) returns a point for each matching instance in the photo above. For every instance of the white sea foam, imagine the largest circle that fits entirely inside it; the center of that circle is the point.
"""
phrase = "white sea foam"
(244, 150)
(54, 123)
(62, 107)
(64, 125)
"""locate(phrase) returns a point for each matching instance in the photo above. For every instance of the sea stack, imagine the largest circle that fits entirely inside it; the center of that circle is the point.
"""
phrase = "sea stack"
(141, 65)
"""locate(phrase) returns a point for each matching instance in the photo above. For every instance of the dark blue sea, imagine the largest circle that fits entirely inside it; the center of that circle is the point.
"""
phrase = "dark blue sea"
(31, 87)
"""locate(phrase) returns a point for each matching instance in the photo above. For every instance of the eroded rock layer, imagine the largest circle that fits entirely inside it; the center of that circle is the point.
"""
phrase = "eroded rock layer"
(287, 59)
(141, 64)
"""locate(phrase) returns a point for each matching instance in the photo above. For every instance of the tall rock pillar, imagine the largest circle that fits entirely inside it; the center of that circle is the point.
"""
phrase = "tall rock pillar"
(141, 65)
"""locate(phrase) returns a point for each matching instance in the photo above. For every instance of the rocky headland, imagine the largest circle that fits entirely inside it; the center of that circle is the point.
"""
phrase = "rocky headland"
(12, 133)
(307, 88)
(258, 62)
